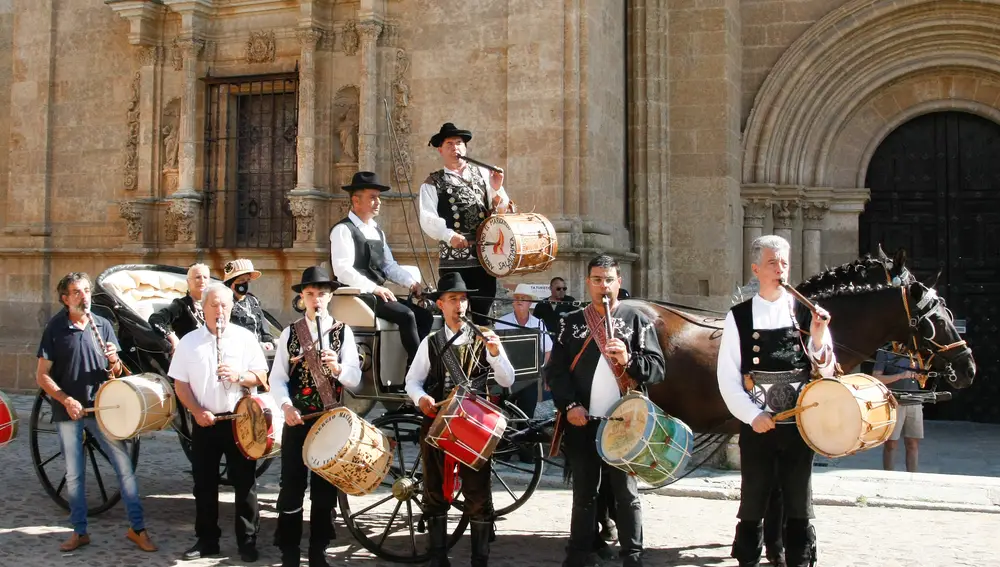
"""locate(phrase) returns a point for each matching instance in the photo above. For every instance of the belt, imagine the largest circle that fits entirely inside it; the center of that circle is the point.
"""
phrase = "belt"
(781, 377)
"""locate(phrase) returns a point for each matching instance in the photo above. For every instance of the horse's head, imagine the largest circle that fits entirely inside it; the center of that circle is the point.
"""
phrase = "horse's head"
(931, 326)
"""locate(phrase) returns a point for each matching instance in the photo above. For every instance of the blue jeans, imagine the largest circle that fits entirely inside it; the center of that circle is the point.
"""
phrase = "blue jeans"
(71, 439)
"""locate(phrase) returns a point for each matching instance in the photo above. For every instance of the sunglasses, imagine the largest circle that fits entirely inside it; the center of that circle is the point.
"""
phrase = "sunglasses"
(560, 289)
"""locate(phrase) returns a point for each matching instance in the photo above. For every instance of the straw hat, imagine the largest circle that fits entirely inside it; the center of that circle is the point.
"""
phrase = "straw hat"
(237, 268)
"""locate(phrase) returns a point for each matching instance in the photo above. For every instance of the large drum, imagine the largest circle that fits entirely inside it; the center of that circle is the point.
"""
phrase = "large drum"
(645, 442)
(348, 452)
(8, 420)
(851, 413)
(468, 428)
(516, 244)
(132, 405)
(258, 427)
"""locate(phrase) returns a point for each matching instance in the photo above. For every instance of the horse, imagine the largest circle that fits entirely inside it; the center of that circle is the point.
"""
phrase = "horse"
(872, 301)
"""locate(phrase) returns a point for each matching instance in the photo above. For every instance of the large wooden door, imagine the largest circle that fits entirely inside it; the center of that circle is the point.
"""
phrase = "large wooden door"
(935, 190)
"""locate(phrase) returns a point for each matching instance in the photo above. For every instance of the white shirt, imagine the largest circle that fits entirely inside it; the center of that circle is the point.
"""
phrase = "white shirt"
(195, 362)
(417, 375)
(432, 223)
(350, 364)
(766, 315)
(342, 256)
(509, 321)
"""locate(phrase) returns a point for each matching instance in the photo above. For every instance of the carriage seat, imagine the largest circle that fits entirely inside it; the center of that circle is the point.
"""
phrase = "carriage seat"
(145, 291)
(346, 306)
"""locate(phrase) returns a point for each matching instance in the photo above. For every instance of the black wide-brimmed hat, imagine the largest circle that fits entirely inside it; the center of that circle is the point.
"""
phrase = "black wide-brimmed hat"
(365, 180)
(316, 275)
(450, 282)
(448, 130)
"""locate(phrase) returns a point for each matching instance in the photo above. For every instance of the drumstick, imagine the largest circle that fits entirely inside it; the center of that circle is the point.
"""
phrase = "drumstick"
(604, 418)
(805, 301)
(792, 412)
(92, 410)
(229, 417)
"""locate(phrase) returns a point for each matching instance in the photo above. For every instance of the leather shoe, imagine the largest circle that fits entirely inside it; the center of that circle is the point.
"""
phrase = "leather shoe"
(318, 558)
(141, 539)
(76, 540)
(249, 553)
(201, 549)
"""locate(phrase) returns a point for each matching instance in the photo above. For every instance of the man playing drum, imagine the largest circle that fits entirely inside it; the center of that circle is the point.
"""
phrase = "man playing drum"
(454, 201)
(212, 368)
(586, 373)
(184, 314)
(763, 364)
(306, 378)
(429, 380)
(360, 257)
(71, 367)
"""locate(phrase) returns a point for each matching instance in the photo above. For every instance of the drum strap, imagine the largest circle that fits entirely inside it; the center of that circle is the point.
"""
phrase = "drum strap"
(596, 325)
(324, 384)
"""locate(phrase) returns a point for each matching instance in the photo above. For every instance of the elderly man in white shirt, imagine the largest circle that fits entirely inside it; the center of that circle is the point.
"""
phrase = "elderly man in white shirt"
(212, 367)
(454, 201)
(360, 257)
(525, 394)
(763, 363)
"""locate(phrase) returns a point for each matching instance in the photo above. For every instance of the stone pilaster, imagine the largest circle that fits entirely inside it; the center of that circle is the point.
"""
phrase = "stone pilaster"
(755, 212)
(188, 141)
(306, 143)
(368, 32)
(813, 213)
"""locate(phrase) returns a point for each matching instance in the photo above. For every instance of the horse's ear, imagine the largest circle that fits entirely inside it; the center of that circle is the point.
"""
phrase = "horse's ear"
(899, 260)
(881, 254)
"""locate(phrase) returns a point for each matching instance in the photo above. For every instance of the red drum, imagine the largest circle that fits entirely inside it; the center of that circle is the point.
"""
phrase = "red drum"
(8, 420)
(468, 428)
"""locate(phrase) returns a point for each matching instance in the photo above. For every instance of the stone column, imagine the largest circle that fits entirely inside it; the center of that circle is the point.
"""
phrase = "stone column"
(306, 143)
(368, 33)
(754, 213)
(812, 223)
(784, 217)
(187, 158)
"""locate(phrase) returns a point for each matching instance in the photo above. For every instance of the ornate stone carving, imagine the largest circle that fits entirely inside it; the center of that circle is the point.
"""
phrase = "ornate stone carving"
(401, 118)
(346, 105)
(131, 161)
(309, 38)
(148, 55)
(784, 214)
(368, 30)
(184, 48)
(260, 47)
(133, 219)
(182, 216)
(171, 133)
(304, 212)
(350, 40)
(813, 214)
(755, 212)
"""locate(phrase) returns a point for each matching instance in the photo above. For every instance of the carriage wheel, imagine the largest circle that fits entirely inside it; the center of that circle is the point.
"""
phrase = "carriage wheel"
(184, 436)
(51, 469)
(387, 521)
(514, 481)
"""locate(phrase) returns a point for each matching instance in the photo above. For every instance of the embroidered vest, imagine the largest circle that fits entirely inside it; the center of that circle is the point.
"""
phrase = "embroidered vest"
(463, 205)
(301, 385)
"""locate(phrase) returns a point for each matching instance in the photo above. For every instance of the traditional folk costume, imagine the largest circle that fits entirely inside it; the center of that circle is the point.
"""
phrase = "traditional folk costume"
(299, 379)
(247, 311)
(444, 360)
(762, 367)
(580, 375)
(182, 316)
(360, 257)
(457, 202)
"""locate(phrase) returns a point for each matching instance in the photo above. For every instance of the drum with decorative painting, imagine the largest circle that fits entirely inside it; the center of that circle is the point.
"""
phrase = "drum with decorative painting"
(348, 452)
(258, 426)
(8, 420)
(514, 244)
(642, 440)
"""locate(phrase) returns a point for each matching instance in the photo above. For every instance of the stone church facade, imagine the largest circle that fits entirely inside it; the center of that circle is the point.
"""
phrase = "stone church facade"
(667, 132)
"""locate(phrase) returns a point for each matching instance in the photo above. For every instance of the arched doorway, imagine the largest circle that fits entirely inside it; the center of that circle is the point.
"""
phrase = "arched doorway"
(935, 190)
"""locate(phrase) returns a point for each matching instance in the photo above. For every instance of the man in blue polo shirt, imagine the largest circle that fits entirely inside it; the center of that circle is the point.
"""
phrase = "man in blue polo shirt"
(71, 367)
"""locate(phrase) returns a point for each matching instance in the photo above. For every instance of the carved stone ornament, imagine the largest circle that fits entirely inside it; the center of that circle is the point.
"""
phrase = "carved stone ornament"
(351, 41)
(260, 47)
(401, 118)
(131, 161)
(185, 48)
(148, 55)
(182, 216)
(171, 132)
(755, 211)
(304, 211)
(784, 214)
(310, 38)
(813, 214)
(345, 105)
(368, 31)
(133, 219)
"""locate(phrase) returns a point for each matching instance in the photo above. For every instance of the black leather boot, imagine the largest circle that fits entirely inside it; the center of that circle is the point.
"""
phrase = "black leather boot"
(437, 528)
(748, 543)
(481, 532)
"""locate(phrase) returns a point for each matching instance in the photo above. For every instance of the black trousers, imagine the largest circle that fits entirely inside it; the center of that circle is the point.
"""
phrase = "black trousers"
(414, 322)
(295, 475)
(477, 486)
(779, 457)
(208, 445)
(588, 473)
(486, 285)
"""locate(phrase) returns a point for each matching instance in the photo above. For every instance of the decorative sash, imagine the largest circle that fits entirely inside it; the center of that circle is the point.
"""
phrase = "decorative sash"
(311, 352)
(595, 323)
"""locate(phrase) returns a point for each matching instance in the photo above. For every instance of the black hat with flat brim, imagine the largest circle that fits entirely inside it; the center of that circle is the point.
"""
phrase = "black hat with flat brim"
(451, 282)
(448, 130)
(316, 275)
(365, 180)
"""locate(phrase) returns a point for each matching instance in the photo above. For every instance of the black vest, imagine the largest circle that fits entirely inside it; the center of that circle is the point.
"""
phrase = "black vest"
(463, 205)
(368, 254)
(471, 355)
(301, 386)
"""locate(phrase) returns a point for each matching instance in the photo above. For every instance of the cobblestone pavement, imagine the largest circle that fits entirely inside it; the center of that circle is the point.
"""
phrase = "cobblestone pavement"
(678, 531)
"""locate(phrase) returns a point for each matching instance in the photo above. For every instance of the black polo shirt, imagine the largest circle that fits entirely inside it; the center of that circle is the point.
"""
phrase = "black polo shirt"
(78, 365)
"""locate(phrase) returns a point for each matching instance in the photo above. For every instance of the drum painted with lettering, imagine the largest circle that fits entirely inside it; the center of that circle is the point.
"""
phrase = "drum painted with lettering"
(258, 427)
(516, 244)
(645, 442)
(348, 452)
(129, 406)
(8, 420)
(852, 413)
(468, 427)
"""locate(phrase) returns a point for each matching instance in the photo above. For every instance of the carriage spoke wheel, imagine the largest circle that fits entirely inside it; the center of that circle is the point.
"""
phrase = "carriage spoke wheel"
(389, 522)
(514, 480)
(181, 425)
(50, 466)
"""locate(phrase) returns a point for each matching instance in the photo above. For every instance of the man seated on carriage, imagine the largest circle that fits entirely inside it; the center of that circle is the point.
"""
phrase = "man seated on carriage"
(310, 369)
(447, 358)
(184, 314)
(763, 364)
(360, 257)
(213, 368)
(247, 312)
(588, 372)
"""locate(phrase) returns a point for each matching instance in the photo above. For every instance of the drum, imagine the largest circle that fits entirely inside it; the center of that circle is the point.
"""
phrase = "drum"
(8, 420)
(646, 443)
(468, 428)
(348, 452)
(852, 413)
(132, 405)
(258, 427)
(516, 244)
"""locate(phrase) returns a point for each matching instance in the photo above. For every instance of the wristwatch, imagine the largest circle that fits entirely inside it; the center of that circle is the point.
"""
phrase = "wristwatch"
(571, 406)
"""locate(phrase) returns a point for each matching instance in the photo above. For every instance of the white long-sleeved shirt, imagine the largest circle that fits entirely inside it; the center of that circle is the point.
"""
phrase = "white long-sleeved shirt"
(350, 364)
(766, 315)
(342, 256)
(417, 375)
(196, 361)
(432, 223)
